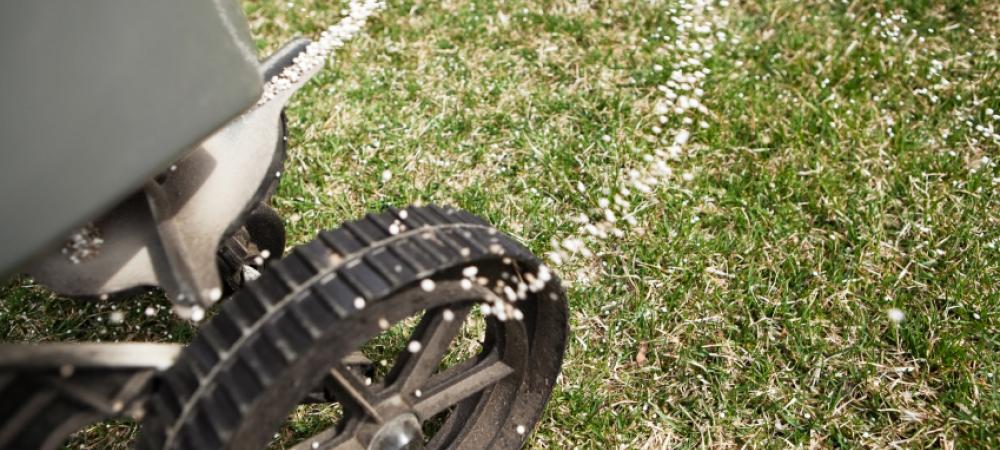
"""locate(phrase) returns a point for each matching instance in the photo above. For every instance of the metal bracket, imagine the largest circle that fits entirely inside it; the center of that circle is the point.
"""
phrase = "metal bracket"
(169, 234)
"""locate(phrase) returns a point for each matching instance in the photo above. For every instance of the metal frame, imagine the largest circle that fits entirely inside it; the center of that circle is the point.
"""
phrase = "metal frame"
(76, 384)
(110, 355)
(168, 234)
(99, 96)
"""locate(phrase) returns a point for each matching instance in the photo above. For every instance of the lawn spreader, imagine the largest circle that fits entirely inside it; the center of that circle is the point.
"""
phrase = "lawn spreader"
(143, 142)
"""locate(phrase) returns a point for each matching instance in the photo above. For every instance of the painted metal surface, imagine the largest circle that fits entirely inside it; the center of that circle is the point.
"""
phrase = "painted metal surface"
(168, 235)
(96, 97)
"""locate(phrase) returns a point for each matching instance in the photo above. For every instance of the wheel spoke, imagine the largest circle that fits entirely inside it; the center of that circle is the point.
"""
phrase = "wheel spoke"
(357, 359)
(358, 364)
(331, 439)
(434, 334)
(351, 392)
(460, 382)
(454, 424)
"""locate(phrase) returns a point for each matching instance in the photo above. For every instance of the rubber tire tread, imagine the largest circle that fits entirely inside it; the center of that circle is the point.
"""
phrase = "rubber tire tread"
(200, 401)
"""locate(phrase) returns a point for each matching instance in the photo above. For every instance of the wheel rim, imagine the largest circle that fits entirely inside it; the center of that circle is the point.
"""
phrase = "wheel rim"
(267, 350)
(465, 401)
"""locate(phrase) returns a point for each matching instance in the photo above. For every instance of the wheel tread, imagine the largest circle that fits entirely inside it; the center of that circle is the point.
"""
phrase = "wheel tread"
(364, 279)
(466, 240)
(337, 294)
(413, 219)
(366, 230)
(443, 216)
(426, 218)
(315, 254)
(340, 241)
(384, 264)
(245, 381)
(285, 276)
(202, 355)
(277, 317)
(403, 271)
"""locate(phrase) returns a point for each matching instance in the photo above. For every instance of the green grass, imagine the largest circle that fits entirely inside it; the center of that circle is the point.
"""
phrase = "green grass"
(758, 289)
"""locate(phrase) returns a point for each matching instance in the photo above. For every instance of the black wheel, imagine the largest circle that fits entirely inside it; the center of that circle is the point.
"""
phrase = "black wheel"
(298, 334)
(266, 230)
(249, 249)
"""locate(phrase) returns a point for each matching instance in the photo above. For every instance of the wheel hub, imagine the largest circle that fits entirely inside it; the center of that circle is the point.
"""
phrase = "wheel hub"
(400, 433)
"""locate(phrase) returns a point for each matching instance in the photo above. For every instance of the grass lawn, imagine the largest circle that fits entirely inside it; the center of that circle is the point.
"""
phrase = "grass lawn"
(807, 248)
